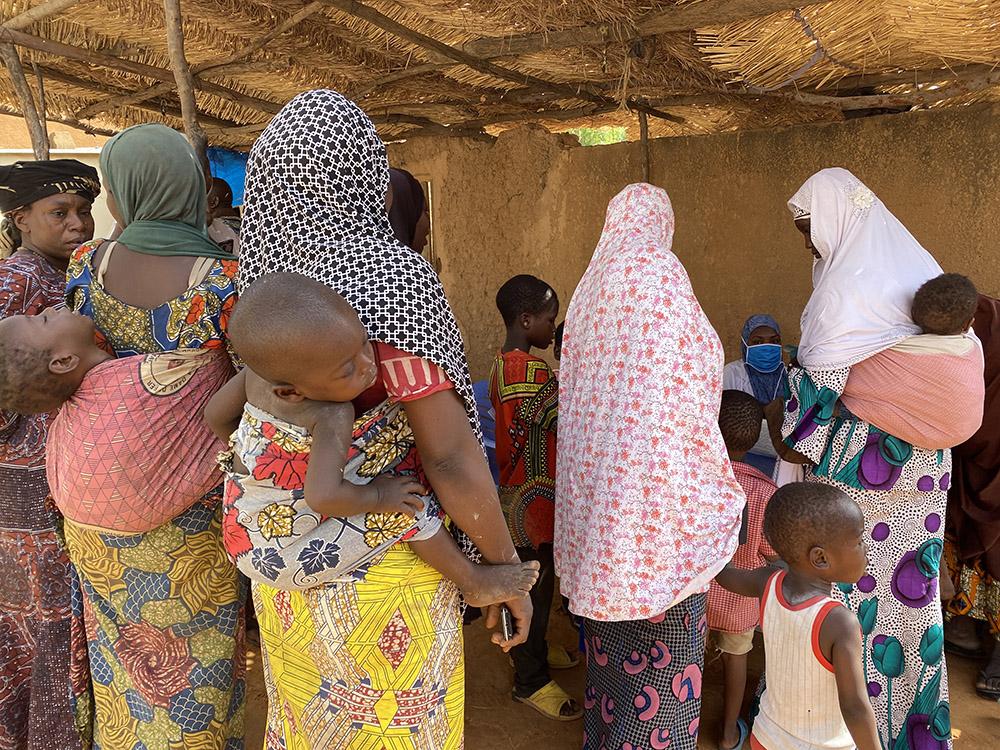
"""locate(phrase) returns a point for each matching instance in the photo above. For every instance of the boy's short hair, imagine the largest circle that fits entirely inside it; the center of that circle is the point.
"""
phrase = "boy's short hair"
(524, 294)
(27, 386)
(740, 417)
(945, 304)
(803, 515)
(279, 313)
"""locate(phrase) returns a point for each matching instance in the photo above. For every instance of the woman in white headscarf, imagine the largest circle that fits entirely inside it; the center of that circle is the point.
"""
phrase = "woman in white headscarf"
(648, 509)
(866, 270)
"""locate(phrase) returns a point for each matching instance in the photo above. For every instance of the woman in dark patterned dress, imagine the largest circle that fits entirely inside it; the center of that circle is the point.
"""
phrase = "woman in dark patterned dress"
(46, 207)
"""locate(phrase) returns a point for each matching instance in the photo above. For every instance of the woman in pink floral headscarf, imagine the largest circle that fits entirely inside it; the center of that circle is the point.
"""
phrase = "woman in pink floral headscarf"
(648, 509)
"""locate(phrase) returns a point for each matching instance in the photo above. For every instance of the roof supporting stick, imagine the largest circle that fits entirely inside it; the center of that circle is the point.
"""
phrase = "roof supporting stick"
(644, 139)
(184, 79)
(36, 124)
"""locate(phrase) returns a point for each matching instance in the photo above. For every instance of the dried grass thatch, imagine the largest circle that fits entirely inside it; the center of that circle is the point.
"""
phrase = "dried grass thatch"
(477, 67)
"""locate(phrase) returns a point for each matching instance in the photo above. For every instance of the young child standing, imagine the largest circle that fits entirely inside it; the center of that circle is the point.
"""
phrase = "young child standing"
(525, 393)
(293, 517)
(816, 695)
(732, 618)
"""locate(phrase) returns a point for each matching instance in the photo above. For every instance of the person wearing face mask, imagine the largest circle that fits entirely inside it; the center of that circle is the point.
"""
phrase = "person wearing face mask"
(761, 373)
(46, 215)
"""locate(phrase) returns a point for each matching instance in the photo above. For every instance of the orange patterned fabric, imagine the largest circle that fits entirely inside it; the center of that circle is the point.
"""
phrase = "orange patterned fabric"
(130, 450)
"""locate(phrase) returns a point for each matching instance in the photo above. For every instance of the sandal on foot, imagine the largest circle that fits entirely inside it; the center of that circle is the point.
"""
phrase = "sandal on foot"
(550, 701)
(560, 658)
(988, 687)
(744, 733)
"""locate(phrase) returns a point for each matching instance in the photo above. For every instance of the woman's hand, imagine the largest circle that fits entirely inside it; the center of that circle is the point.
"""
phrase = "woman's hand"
(521, 612)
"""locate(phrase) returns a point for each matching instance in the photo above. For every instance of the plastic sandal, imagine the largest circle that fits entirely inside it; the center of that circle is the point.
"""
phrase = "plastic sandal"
(560, 658)
(744, 733)
(550, 700)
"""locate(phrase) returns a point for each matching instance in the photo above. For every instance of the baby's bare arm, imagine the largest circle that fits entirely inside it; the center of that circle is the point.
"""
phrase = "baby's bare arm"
(327, 489)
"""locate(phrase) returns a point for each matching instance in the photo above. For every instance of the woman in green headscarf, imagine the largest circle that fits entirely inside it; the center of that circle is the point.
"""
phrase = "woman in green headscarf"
(163, 609)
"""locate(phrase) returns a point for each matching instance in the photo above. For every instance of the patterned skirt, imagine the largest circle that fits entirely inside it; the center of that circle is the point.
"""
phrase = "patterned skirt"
(163, 614)
(35, 708)
(644, 680)
(370, 665)
(977, 593)
(902, 491)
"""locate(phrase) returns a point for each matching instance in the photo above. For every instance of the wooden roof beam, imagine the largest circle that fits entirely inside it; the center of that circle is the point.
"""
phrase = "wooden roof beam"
(90, 57)
(68, 121)
(676, 18)
(379, 20)
(902, 78)
(156, 107)
(960, 87)
(38, 12)
(214, 67)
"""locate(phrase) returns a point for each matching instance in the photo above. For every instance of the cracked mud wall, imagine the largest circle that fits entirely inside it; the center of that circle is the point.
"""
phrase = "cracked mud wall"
(534, 202)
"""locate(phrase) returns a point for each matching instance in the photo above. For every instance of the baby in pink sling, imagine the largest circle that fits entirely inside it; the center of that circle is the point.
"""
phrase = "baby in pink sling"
(927, 390)
(129, 449)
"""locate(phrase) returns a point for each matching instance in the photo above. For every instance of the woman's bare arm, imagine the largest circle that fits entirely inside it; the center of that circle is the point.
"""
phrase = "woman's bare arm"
(774, 412)
(457, 470)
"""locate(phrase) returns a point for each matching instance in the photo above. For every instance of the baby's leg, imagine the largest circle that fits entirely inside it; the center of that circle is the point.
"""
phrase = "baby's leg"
(482, 585)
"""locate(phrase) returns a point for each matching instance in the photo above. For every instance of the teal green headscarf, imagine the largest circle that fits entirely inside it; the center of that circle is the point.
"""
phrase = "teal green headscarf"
(159, 187)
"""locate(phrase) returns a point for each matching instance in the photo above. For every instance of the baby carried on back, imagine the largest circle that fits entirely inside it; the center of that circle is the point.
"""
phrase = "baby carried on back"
(927, 389)
(882, 308)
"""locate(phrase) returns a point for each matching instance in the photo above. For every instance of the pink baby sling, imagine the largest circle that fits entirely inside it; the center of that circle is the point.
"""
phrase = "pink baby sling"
(926, 390)
(129, 451)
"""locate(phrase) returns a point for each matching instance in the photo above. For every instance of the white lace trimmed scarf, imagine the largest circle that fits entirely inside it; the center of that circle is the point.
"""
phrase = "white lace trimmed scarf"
(863, 284)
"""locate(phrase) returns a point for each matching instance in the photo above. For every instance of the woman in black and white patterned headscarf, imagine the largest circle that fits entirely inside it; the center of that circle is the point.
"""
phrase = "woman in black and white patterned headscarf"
(315, 204)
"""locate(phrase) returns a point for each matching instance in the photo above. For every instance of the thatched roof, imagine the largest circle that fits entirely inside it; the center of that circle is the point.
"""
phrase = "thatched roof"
(478, 66)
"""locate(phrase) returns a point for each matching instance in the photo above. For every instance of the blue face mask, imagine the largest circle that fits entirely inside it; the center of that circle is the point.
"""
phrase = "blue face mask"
(764, 357)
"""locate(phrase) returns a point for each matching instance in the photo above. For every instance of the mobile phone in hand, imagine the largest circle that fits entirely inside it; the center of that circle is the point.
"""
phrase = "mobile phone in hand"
(506, 623)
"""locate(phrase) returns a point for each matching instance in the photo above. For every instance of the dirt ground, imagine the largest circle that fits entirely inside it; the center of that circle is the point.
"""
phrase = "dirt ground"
(495, 722)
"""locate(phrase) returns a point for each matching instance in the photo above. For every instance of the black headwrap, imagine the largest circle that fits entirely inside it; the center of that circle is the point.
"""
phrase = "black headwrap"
(407, 205)
(24, 182)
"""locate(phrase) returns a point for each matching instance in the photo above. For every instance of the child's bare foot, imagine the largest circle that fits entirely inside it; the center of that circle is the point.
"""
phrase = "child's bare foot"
(492, 584)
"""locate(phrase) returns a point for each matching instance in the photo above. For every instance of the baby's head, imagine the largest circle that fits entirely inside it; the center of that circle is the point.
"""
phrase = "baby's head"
(43, 359)
(304, 338)
(945, 305)
(818, 530)
(740, 417)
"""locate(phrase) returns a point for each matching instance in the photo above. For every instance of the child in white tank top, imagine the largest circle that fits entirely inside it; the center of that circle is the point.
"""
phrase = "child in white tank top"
(816, 697)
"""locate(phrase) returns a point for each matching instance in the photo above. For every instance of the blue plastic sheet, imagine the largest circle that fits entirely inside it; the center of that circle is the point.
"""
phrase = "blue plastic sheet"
(230, 166)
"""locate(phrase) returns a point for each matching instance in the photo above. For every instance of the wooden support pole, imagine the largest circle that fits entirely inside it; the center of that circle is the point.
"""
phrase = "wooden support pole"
(184, 79)
(215, 67)
(36, 125)
(442, 50)
(42, 109)
(644, 140)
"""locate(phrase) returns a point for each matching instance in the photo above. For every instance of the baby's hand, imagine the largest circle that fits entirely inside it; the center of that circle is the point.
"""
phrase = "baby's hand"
(399, 495)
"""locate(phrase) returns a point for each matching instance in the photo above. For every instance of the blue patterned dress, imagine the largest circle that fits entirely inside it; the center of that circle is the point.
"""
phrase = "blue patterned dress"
(902, 491)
